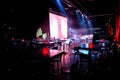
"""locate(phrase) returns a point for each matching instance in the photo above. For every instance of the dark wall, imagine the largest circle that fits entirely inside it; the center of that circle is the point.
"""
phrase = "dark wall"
(23, 15)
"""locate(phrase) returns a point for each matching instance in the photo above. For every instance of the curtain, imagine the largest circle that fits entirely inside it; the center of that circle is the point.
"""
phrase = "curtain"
(117, 35)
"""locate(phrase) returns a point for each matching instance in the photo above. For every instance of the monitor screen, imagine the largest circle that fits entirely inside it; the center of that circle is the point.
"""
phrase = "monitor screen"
(58, 26)
(84, 51)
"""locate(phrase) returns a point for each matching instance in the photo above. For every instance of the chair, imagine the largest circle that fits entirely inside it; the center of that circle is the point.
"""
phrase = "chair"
(66, 72)
(85, 63)
(76, 53)
(55, 64)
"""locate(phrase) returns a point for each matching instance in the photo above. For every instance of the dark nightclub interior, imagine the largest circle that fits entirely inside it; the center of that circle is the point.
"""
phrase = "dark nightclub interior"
(60, 39)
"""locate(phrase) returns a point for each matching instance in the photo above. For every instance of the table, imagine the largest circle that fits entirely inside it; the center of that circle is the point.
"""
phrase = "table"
(47, 54)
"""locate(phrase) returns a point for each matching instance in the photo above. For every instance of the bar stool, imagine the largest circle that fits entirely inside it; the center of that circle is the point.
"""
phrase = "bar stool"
(65, 70)
(65, 74)
(76, 54)
(85, 63)
(55, 64)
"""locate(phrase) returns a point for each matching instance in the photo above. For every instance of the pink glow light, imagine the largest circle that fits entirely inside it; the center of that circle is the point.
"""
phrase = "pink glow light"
(58, 26)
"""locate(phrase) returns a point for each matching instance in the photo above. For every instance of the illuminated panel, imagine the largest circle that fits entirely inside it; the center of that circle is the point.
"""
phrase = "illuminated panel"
(39, 32)
(64, 28)
(44, 36)
(58, 26)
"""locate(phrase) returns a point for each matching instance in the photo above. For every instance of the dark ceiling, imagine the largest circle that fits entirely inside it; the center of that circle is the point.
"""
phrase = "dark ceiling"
(26, 15)
(89, 7)
(29, 13)
(99, 11)
(95, 7)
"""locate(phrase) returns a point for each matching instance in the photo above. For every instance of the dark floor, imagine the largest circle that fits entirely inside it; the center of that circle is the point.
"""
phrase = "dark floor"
(102, 67)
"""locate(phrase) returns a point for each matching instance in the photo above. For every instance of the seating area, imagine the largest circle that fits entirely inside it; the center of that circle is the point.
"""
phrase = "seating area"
(68, 65)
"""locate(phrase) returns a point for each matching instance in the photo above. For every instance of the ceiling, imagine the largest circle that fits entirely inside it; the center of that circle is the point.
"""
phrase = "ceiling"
(26, 15)
(91, 7)
(97, 6)
(99, 11)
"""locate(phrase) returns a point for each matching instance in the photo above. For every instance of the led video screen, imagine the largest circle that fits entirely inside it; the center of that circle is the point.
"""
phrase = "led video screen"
(58, 26)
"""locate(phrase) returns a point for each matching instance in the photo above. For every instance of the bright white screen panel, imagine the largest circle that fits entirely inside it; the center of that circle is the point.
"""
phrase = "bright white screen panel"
(58, 26)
